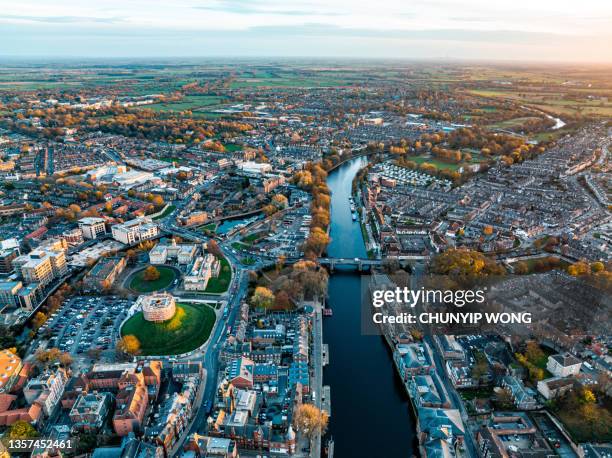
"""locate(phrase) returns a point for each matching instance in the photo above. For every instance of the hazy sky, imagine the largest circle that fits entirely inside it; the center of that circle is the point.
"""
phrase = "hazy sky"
(543, 30)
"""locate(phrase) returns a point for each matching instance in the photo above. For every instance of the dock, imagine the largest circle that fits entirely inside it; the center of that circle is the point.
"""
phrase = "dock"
(326, 399)
(325, 355)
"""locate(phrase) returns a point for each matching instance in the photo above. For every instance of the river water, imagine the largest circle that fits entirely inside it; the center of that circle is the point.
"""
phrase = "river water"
(370, 414)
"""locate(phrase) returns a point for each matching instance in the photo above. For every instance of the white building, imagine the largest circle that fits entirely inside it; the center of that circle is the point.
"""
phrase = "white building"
(157, 307)
(92, 227)
(135, 230)
(555, 387)
(133, 178)
(255, 168)
(201, 271)
(182, 253)
(105, 172)
(563, 365)
(47, 389)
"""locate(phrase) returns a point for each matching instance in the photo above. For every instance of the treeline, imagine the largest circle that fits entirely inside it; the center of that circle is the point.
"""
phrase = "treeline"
(314, 180)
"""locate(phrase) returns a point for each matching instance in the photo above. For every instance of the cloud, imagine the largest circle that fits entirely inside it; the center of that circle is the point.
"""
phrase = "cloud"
(62, 19)
(259, 8)
(459, 35)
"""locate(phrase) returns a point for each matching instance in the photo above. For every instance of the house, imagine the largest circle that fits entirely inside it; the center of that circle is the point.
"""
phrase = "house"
(428, 391)
(47, 389)
(492, 437)
(460, 374)
(30, 414)
(90, 411)
(92, 227)
(131, 404)
(555, 387)
(240, 373)
(521, 396)
(413, 359)
(440, 432)
(10, 367)
(563, 365)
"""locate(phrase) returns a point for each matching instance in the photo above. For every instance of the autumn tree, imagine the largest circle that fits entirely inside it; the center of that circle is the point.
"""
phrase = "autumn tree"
(317, 241)
(21, 430)
(262, 297)
(310, 420)
(151, 273)
(38, 320)
(280, 201)
(129, 345)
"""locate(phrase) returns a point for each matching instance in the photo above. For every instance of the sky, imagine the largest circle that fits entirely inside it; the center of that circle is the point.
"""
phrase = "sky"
(518, 30)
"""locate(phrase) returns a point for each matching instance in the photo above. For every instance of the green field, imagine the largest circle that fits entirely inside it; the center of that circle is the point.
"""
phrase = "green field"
(218, 285)
(166, 212)
(139, 284)
(292, 80)
(186, 331)
(189, 102)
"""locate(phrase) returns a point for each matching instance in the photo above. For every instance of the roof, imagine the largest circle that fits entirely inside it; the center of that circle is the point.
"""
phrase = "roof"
(566, 360)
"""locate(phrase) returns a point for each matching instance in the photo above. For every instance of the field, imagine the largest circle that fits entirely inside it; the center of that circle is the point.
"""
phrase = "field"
(555, 100)
(218, 285)
(441, 165)
(187, 330)
(189, 102)
(139, 284)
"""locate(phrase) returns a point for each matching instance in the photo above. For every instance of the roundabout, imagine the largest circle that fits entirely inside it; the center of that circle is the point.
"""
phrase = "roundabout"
(138, 283)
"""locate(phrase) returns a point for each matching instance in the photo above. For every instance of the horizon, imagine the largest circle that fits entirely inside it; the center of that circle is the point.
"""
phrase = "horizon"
(549, 31)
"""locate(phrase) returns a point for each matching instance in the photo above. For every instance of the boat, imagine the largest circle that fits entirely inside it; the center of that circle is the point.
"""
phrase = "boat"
(329, 448)
(354, 216)
(352, 207)
(327, 312)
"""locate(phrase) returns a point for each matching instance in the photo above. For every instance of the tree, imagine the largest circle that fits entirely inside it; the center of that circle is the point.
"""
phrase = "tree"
(213, 247)
(270, 209)
(262, 297)
(38, 320)
(282, 301)
(503, 398)
(521, 268)
(22, 430)
(310, 420)
(158, 201)
(487, 230)
(280, 201)
(317, 241)
(151, 274)
(129, 344)
(65, 359)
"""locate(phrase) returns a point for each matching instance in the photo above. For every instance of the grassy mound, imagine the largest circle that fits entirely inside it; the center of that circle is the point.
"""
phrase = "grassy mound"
(185, 331)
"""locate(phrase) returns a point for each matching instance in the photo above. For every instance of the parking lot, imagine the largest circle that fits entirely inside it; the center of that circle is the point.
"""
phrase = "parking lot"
(86, 323)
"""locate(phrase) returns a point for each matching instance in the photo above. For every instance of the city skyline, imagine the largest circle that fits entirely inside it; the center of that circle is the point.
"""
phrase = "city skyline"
(545, 31)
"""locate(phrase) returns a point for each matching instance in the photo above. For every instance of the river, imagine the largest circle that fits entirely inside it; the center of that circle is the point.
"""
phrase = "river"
(370, 410)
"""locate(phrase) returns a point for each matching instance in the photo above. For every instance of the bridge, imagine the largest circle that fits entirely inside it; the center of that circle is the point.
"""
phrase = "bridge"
(366, 263)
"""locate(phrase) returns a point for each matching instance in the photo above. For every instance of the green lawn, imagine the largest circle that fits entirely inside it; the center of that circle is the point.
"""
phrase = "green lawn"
(186, 331)
(169, 209)
(166, 277)
(218, 285)
(231, 147)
